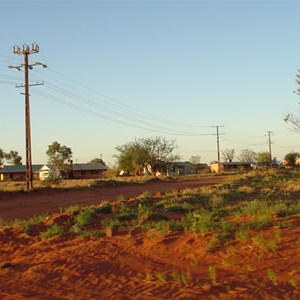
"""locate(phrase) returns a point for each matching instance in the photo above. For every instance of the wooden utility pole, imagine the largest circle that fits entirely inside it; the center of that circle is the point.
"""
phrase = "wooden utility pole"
(270, 148)
(218, 140)
(26, 51)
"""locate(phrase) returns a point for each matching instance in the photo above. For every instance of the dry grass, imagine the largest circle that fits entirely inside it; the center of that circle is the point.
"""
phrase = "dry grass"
(293, 187)
(246, 189)
(18, 186)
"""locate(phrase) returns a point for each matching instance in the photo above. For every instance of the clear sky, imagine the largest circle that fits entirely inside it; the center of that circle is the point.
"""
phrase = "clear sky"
(119, 70)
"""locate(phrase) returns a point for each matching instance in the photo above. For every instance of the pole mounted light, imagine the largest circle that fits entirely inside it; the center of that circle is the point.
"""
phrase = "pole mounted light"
(26, 51)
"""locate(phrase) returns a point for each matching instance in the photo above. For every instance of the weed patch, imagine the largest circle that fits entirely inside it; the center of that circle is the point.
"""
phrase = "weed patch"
(52, 231)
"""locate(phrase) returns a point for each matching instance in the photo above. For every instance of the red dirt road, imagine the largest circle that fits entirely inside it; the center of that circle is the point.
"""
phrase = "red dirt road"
(25, 205)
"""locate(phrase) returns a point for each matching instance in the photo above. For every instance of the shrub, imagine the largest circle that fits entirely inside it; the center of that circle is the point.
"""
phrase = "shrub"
(125, 213)
(52, 231)
(106, 208)
(217, 200)
(176, 208)
(162, 227)
(51, 181)
(111, 223)
(199, 222)
(28, 224)
(85, 217)
(245, 189)
(146, 194)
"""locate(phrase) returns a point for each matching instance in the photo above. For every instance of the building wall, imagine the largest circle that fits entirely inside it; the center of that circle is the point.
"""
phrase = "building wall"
(88, 174)
(215, 168)
(221, 167)
(13, 177)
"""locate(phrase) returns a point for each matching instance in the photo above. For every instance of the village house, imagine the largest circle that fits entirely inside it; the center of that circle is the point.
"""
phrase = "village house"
(181, 168)
(230, 166)
(41, 172)
(16, 173)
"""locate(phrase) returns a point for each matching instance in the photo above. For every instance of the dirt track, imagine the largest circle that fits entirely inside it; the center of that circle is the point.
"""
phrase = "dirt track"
(25, 205)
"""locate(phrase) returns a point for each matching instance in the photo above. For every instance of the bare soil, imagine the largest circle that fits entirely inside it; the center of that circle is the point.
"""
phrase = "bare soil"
(25, 205)
(146, 267)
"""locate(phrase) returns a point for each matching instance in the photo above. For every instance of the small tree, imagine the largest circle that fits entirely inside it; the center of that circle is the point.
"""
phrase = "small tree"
(291, 158)
(195, 160)
(13, 158)
(145, 154)
(132, 157)
(160, 150)
(97, 161)
(60, 157)
(247, 155)
(228, 155)
(2, 156)
(263, 158)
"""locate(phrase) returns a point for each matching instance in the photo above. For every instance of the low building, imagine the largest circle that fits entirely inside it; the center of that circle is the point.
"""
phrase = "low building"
(46, 171)
(88, 170)
(230, 166)
(16, 173)
(41, 172)
(180, 168)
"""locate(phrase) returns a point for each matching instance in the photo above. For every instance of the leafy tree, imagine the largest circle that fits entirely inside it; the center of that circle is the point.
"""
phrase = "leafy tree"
(145, 154)
(228, 155)
(291, 158)
(160, 150)
(132, 157)
(247, 155)
(13, 158)
(60, 157)
(195, 160)
(97, 160)
(263, 158)
(2, 156)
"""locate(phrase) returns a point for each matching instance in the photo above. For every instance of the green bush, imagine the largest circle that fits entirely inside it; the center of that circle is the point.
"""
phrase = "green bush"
(52, 231)
(176, 208)
(85, 217)
(105, 209)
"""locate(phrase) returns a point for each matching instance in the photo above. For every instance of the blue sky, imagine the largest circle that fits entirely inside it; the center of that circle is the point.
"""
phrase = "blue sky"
(119, 70)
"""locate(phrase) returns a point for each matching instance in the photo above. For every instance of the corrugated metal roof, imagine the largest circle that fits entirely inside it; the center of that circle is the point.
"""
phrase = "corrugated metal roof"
(18, 169)
(89, 167)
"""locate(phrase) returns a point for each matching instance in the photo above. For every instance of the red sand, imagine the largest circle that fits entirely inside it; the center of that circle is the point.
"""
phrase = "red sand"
(146, 266)
(141, 266)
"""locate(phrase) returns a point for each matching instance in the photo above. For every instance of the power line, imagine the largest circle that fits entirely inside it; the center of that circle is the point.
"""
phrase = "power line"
(119, 114)
(92, 112)
(129, 116)
(122, 106)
